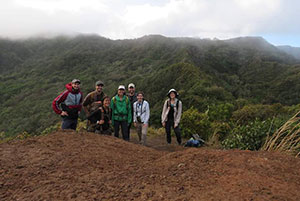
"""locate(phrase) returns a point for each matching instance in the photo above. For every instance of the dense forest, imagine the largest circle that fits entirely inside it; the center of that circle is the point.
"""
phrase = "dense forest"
(227, 80)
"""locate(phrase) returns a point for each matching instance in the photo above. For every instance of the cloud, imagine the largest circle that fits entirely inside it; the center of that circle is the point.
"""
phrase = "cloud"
(134, 18)
(203, 18)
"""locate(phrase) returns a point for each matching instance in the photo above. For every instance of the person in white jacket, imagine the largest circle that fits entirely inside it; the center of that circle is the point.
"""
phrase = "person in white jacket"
(171, 115)
(141, 114)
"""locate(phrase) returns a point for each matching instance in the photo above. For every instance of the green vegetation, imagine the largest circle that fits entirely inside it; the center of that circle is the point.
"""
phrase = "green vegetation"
(234, 92)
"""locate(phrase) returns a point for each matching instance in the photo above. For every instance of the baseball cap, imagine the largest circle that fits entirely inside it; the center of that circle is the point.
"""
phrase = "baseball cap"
(121, 87)
(99, 82)
(76, 81)
(131, 85)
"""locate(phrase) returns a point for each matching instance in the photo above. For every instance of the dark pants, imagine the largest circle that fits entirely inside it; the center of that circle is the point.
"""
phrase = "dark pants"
(103, 132)
(124, 127)
(169, 125)
(129, 126)
(69, 124)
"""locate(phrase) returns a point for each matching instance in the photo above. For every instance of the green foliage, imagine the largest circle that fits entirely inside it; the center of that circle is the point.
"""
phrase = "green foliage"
(195, 122)
(155, 131)
(220, 130)
(206, 73)
(261, 112)
(220, 112)
(51, 129)
(252, 135)
(81, 125)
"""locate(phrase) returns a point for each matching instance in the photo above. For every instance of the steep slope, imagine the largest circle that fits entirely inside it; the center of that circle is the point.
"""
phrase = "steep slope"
(85, 166)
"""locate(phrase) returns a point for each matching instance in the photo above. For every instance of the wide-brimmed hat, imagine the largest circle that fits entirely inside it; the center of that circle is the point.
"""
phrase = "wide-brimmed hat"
(172, 90)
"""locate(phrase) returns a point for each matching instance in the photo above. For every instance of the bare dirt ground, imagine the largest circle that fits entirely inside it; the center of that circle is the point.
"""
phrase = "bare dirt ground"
(84, 166)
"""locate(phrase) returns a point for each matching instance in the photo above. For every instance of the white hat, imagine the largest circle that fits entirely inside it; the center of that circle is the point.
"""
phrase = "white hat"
(121, 87)
(131, 85)
(76, 81)
(172, 90)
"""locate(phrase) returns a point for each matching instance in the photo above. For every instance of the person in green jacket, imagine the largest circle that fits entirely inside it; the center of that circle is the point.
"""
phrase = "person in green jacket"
(121, 112)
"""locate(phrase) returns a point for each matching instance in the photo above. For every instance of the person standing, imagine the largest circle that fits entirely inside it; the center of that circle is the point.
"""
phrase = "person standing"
(171, 114)
(93, 98)
(121, 112)
(141, 114)
(132, 97)
(68, 104)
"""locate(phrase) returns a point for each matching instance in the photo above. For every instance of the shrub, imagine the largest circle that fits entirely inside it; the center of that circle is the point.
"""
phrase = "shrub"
(195, 122)
(220, 131)
(262, 112)
(81, 125)
(155, 131)
(252, 135)
(220, 112)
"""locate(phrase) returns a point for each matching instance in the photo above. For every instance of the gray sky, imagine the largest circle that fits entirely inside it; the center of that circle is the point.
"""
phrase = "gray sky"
(275, 20)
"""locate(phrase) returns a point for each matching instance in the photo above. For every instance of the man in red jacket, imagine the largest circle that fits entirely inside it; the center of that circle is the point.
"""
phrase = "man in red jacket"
(68, 104)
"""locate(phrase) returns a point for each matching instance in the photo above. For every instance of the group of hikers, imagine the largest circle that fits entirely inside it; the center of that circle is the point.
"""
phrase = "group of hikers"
(104, 113)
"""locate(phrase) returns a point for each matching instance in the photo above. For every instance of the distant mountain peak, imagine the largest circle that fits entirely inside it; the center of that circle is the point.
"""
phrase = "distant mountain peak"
(253, 42)
(294, 51)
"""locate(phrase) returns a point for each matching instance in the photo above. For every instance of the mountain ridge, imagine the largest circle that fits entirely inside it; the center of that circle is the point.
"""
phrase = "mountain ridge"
(33, 72)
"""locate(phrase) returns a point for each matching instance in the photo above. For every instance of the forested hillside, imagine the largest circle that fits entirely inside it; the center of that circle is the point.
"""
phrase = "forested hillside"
(205, 72)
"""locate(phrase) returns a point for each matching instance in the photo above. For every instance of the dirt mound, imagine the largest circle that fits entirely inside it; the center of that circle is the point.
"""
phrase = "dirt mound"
(84, 166)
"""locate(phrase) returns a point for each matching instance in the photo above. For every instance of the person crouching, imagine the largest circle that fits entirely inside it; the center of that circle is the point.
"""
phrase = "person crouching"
(100, 118)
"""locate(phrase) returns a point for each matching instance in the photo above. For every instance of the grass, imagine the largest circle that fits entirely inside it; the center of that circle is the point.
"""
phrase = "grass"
(286, 138)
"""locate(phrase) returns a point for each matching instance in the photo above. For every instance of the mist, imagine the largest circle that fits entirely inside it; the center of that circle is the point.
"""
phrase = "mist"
(274, 20)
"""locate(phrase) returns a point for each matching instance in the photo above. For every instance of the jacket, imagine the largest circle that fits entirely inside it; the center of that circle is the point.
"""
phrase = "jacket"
(101, 114)
(92, 97)
(177, 112)
(142, 111)
(69, 101)
(121, 110)
(132, 100)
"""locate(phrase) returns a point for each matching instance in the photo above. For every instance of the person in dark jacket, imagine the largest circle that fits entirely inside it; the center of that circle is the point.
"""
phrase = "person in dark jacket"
(100, 118)
(68, 104)
(133, 98)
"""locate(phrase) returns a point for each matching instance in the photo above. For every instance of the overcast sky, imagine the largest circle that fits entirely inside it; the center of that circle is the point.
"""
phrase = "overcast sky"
(275, 20)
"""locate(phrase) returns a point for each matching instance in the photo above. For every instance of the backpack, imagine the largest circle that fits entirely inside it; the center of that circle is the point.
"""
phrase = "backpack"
(126, 100)
(194, 141)
(169, 104)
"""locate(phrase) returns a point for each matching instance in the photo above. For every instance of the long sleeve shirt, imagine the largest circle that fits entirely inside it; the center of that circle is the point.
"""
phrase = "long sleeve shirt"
(142, 110)
(177, 111)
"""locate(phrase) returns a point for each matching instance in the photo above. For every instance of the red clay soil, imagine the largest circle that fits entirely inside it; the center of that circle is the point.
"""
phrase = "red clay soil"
(85, 166)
